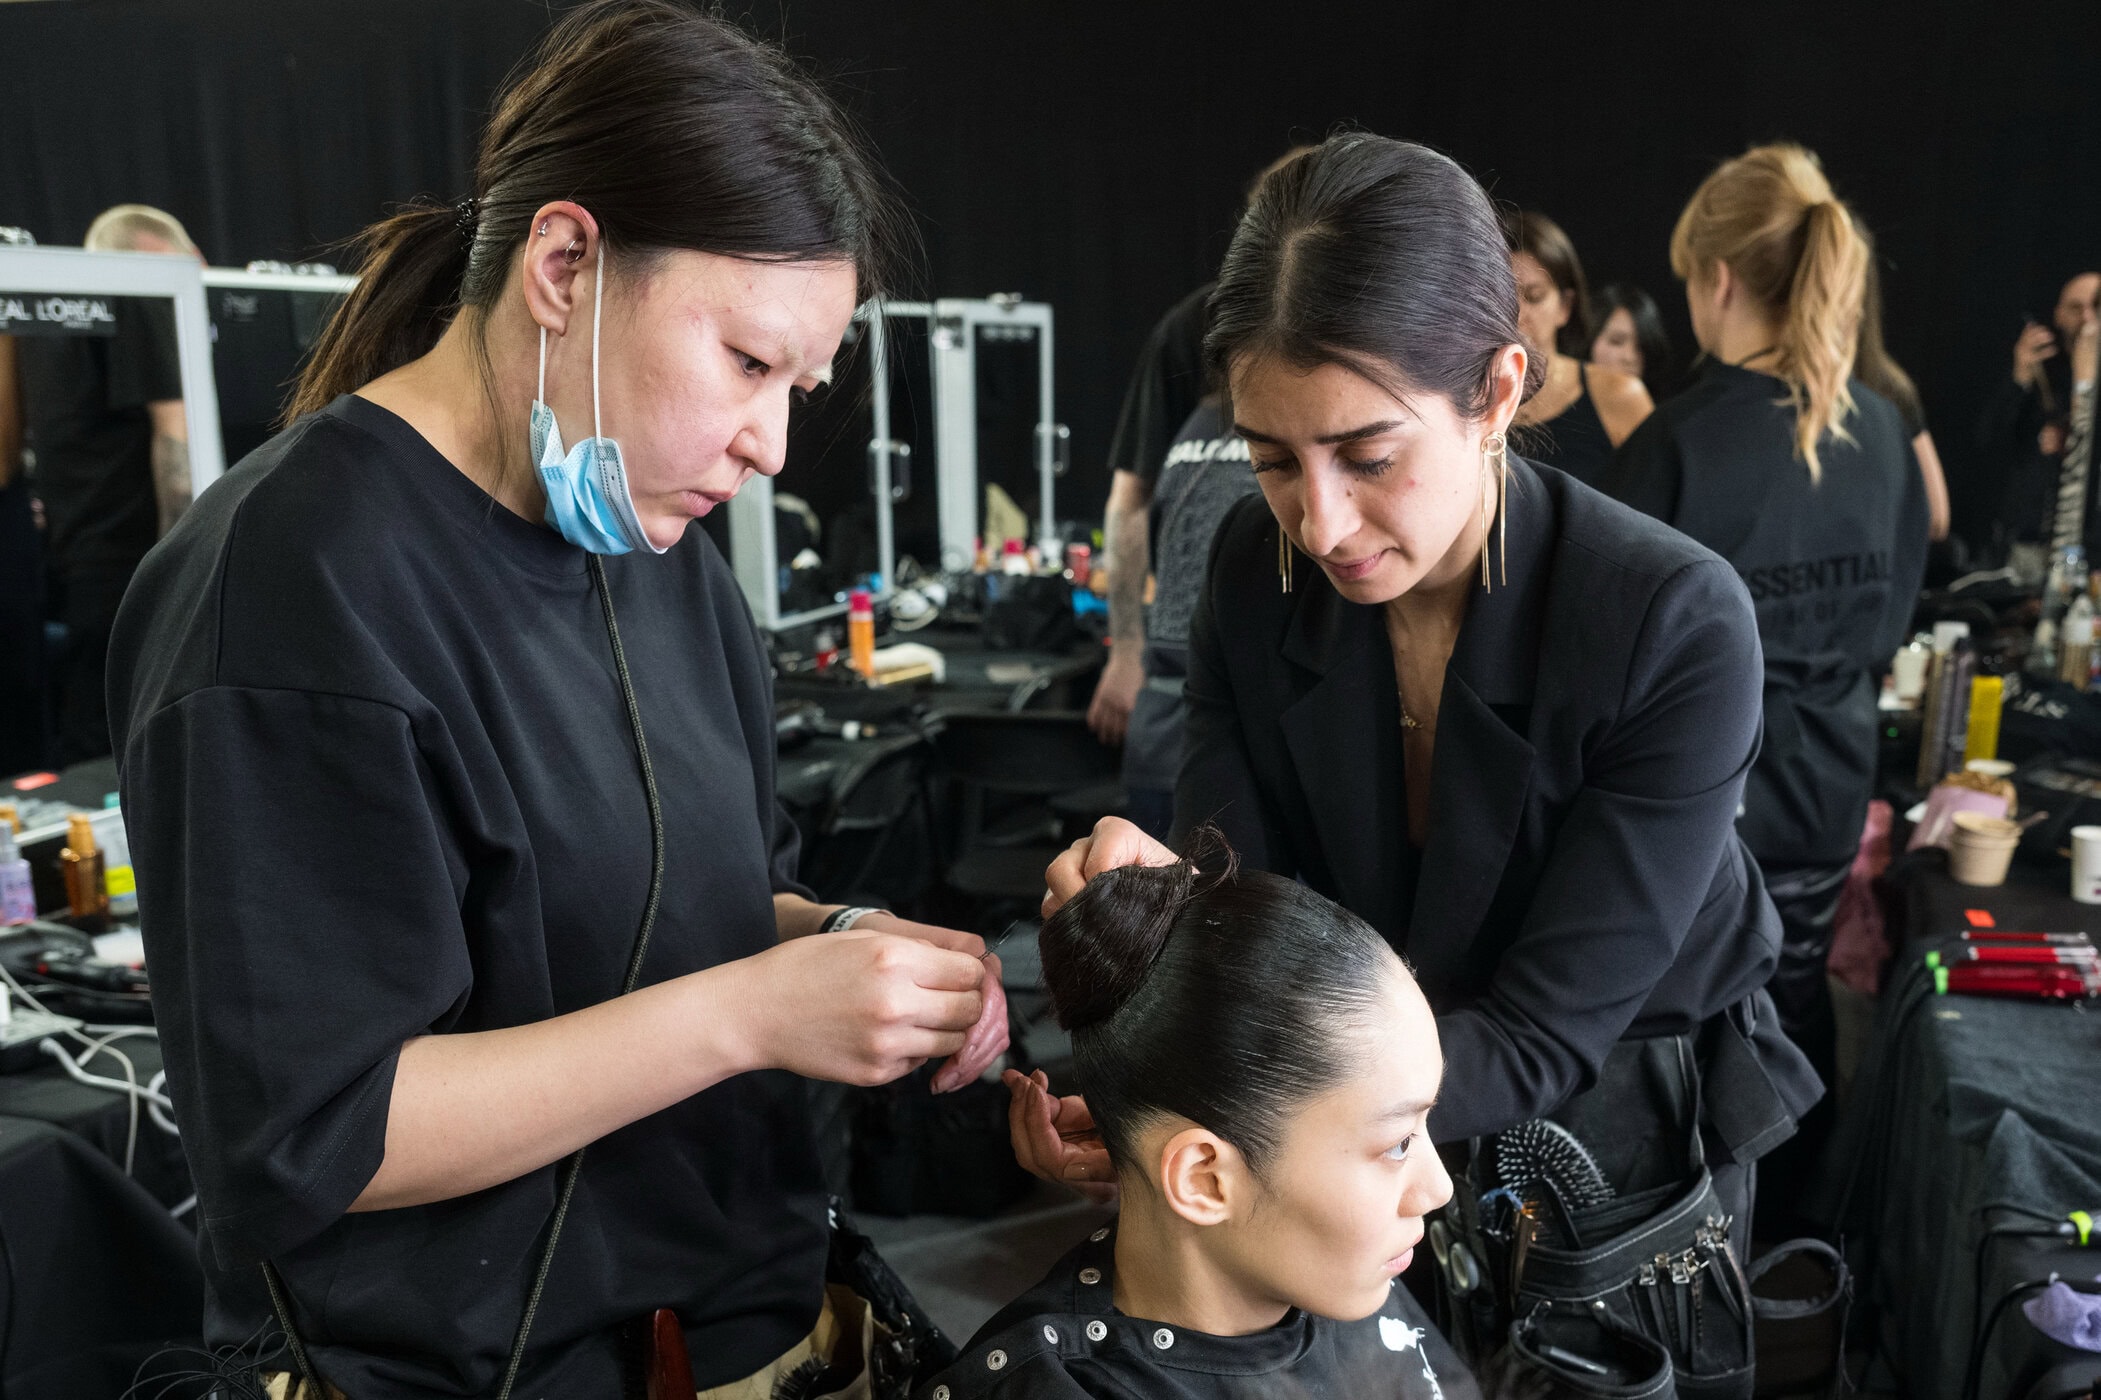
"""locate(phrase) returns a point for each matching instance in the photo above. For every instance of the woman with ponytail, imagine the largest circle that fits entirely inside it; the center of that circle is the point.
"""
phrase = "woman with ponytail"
(1261, 1066)
(447, 750)
(1780, 459)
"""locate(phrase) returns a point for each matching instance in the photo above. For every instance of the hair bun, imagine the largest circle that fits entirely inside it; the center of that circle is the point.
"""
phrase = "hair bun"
(1098, 948)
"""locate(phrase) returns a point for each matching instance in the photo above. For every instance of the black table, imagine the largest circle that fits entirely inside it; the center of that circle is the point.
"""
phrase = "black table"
(99, 1276)
(976, 678)
(1972, 1115)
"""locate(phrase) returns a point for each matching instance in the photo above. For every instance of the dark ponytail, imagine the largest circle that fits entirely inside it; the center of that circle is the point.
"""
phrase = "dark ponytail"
(1378, 255)
(1227, 999)
(410, 265)
(674, 129)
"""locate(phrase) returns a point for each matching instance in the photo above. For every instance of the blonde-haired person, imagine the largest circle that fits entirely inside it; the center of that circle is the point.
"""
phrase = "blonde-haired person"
(1779, 459)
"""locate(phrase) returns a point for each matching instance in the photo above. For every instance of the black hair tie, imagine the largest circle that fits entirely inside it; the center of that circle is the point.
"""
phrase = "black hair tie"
(468, 218)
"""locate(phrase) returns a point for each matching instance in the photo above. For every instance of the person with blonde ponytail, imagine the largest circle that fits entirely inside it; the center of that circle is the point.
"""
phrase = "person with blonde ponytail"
(1783, 462)
(447, 754)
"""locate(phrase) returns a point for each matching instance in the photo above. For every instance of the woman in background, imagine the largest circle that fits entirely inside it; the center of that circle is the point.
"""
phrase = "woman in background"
(1802, 477)
(1629, 336)
(1582, 411)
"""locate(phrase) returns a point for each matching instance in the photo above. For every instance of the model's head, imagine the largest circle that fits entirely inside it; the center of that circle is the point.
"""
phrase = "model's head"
(1553, 300)
(1630, 335)
(739, 218)
(1365, 327)
(1764, 240)
(1261, 1066)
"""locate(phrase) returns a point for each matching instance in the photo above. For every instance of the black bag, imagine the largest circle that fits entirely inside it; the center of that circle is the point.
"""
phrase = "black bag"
(1561, 1350)
(909, 1347)
(1028, 612)
(918, 1153)
(1581, 1251)
(1801, 1294)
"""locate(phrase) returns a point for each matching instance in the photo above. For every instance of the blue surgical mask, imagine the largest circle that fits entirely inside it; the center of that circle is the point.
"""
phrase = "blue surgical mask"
(587, 495)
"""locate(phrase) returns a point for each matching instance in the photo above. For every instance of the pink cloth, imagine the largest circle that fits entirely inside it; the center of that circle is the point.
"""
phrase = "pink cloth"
(1859, 946)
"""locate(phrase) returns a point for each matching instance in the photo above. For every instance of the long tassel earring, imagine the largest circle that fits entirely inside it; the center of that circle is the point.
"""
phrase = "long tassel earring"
(1283, 561)
(1495, 455)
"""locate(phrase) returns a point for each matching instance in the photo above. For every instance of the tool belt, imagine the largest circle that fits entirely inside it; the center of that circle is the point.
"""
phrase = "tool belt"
(1590, 1247)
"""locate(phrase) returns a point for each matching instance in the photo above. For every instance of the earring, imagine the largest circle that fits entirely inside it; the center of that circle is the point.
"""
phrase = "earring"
(1283, 561)
(543, 228)
(1495, 455)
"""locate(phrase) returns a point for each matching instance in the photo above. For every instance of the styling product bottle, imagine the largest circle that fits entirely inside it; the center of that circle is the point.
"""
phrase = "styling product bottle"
(2075, 642)
(87, 896)
(1987, 693)
(117, 876)
(11, 816)
(860, 631)
(1015, 558)
(17, 893)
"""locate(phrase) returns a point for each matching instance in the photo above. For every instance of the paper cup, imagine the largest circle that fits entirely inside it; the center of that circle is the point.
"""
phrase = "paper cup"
(2086, 864)
(1981, 848)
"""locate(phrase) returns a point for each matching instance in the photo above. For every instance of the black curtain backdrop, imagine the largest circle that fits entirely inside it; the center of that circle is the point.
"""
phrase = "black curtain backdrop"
(1093, 155)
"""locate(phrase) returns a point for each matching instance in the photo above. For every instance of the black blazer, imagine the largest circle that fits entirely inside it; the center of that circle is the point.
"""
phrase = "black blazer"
(1582, 879)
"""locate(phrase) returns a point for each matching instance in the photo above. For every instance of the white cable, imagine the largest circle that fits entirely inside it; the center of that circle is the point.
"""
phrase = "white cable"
(130, 1090)
(184, 1206)
(153, 1109)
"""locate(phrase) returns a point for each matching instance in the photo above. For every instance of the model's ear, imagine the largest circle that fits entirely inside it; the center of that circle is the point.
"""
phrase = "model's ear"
(1204, 1178)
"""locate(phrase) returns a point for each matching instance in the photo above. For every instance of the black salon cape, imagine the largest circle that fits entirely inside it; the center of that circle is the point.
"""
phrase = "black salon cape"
(380, 783)
(1064, 1339)
(1582, 880)
(1833, 568)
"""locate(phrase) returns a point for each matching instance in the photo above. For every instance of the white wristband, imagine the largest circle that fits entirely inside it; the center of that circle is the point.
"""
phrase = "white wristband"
(844, 919)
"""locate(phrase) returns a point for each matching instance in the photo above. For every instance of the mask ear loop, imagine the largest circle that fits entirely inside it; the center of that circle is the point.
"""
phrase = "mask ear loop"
(542, 395)
(597, 303)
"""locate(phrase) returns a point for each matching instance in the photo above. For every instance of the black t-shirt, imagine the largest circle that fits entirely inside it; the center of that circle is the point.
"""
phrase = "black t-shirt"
(1064, 1339)
(1163, 391)
(1833, 567)
(84, 403)
(380, 783)
(1203, 472)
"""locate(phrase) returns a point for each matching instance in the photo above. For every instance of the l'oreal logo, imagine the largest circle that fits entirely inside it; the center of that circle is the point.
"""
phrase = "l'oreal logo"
(24, 314)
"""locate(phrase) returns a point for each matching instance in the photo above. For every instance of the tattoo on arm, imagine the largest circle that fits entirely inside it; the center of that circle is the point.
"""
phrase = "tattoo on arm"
(171, 477)
(1130, 553)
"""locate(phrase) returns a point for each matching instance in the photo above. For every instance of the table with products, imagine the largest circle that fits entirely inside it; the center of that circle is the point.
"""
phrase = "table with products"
(98, 1274)
(1973, 1128)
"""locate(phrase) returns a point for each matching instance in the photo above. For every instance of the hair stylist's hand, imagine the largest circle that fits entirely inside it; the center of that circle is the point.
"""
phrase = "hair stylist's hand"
(987, 1040)
(1055, 1138)
(2036, 344)
(859, 1007)
(1116, 695)
(1114, 842)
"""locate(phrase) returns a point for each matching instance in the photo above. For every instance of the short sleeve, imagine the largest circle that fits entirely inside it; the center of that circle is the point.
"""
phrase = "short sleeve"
(301, 912)
(1165, 388)
(144, 365)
